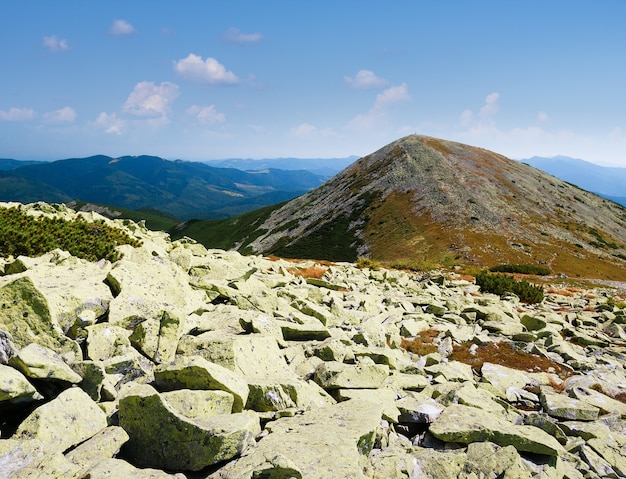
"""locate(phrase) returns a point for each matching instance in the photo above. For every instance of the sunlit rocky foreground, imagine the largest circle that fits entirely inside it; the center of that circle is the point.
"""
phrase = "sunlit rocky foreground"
(178, 361)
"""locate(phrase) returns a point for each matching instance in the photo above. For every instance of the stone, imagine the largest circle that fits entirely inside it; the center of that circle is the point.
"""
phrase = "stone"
(53, 465)
(503, 378)
(120, 469)
(104, 445)
(564, 407)
(418, 409)
(334, 375)
(610, 453)
(26, 317)
(331, 442)
(16, 454)
(69, 419)
(195, 372)
(157, 337)
(272, 384)
(307, 331)
(451, 371)
(15, 387)
(199, 404)
(39, 362)
(466, 424)
(105, 341)
(601, 401)
(147, 287)
(163, 438)
(385, 397)
(485, 459)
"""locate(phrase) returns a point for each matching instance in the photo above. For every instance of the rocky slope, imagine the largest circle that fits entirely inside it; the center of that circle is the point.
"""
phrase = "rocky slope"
(178, 361)
(428, 199)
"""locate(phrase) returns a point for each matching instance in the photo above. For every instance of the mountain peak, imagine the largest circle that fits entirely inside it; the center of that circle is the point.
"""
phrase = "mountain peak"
(427, 199)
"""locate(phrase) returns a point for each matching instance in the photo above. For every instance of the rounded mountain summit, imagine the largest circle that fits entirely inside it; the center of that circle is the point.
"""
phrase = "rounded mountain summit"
(423, 200)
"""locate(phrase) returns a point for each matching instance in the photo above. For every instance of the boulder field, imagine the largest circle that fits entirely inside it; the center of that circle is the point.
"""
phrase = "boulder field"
(179, 361)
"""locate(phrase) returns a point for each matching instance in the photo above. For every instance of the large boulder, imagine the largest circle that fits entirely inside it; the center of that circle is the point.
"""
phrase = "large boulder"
(467, 424)
(15, 387)
(26, 317)
(195, 372)
(162, 437)
(69, 419)
(332, 442)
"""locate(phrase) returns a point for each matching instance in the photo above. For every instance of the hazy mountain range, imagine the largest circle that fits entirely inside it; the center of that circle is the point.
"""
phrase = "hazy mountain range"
(181, 188)
(609, 182)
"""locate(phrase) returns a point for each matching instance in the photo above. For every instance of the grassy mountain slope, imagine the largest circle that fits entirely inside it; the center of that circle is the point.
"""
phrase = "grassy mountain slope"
(184, 189)
(423, 200)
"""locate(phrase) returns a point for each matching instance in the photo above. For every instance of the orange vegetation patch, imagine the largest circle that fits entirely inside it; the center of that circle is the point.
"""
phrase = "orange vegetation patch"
(311, 272)
(560, 292)
(422, 344)
(505, 354)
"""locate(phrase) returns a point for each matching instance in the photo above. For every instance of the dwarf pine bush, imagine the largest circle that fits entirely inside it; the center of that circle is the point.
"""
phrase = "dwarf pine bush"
(502, 285)
(521, 268)
(23, 234)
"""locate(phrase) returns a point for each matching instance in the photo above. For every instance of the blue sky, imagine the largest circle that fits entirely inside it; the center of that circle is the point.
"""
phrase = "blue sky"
(201, 80)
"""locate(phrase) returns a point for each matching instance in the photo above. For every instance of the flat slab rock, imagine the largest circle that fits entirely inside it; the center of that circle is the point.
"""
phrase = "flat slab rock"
(326, 443)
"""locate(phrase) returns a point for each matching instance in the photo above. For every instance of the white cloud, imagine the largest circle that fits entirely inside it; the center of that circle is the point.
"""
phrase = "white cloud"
(491, 105)
(208, 71)
(206, 114)
(542, 117)
(55, 44)
(365, 79)
(308, 131)
(121, 28)
(151, 101)
(17, 114)
(234, 35)
(393, 94)
(467, 117)
(110, 123)
(64, 115)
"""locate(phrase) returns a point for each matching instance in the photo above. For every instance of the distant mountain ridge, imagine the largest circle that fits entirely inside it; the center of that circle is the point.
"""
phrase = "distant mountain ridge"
(423, 198)
(183, 189)
(609, 182)
(321, 166)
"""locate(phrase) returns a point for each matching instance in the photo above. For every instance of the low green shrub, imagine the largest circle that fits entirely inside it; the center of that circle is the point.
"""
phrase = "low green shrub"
(502, 285)
(521, 269)
(23, 234)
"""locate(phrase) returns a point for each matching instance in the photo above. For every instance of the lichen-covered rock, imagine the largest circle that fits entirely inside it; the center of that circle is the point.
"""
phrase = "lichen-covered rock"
(16, 454)
(105, 340)
(334, 375)
(199, 404)
(564, 407)
(15, 387)
(163, 438)
(39, 362)
(120, 469)
(104, 445)
(146, 287)
(26, 317)
(69, 419)
(195, 372)
(74, 289)
(466, 425)
(332, 442)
